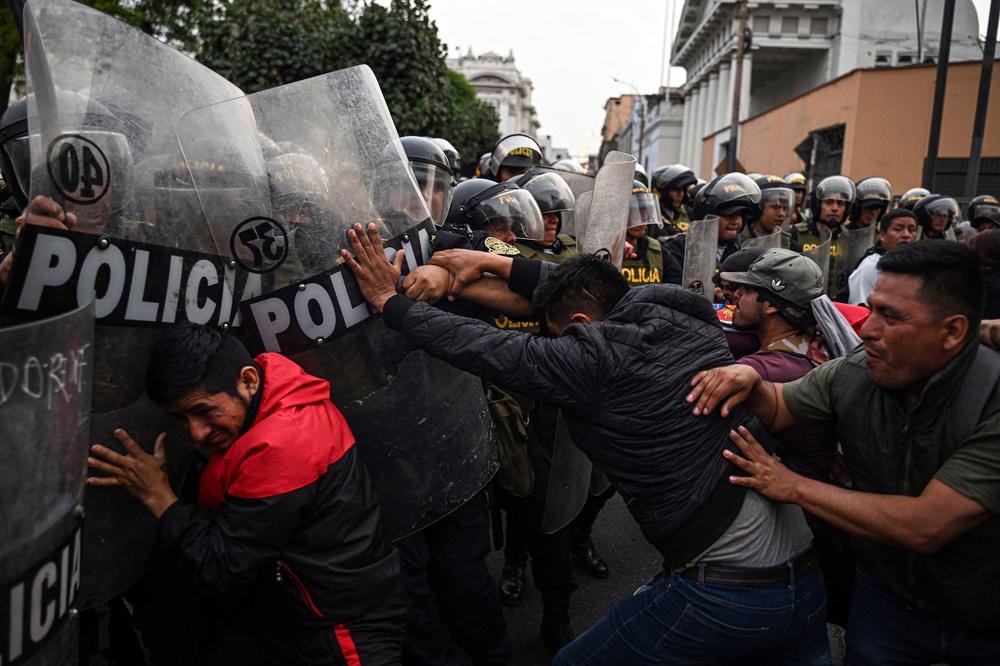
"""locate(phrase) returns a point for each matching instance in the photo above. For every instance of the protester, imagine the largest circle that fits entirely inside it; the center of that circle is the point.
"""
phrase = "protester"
(915, 412)
(720, 548)
(285, 504)
(896, 228)
(987, 245)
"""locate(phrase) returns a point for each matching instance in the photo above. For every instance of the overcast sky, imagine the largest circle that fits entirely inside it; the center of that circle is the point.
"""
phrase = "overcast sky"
(570, 50)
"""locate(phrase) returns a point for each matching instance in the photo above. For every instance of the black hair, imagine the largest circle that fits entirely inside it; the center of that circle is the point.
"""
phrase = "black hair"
(949, 275)
(190, 356)
(584, 283)
(987, 245)
(895, 214)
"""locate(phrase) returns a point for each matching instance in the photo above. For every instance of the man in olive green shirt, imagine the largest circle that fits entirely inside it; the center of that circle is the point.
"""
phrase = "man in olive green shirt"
(917, 413)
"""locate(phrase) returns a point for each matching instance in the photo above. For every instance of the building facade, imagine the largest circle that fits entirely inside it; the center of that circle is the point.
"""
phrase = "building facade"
(652, 129)
(499, 83)
(795, 46)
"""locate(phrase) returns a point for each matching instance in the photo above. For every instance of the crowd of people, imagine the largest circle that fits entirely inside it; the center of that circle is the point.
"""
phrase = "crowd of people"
(808, 435)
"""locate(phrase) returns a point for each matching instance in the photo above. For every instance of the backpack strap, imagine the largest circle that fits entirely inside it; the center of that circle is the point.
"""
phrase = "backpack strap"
(977, 387)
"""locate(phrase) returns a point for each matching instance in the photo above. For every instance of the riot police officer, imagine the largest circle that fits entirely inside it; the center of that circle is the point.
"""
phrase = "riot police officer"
(777, 202)
(671, 184)
(643, 221)
(829, 204)
(494, 215)
(454, 159)
(912, 196)
(641, 175)
(871, 202)
(432, 170)
(936, 214)
(984, 212)
(513, 155)
(798, 184)
(733, 198)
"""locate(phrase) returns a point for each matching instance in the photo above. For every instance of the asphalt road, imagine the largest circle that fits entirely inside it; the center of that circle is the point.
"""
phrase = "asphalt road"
(631, 562)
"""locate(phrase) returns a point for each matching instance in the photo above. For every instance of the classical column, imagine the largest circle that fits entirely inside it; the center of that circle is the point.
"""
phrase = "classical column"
(745, 86)
(712, 108)
(725, 109)
(686, 126)
(696, 97)
(703, 109)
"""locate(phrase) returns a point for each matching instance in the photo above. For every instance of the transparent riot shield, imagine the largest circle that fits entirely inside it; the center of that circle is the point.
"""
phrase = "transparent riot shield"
(771, 241)
(607, 217)
(846, 253)
(569, 481)
(820, 252)
(45, 384)
(422, 426)
(579, 183)
(104, 101)
(701, 252)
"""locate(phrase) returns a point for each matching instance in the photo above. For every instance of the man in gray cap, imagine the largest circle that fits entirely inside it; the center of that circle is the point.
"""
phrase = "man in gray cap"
(773, 302)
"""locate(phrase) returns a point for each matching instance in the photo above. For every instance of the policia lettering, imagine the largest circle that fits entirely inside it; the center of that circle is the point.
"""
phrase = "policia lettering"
(37, 604)
(647, 269)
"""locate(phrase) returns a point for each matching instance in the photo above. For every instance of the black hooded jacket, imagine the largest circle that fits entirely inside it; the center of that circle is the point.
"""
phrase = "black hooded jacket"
(622, 384)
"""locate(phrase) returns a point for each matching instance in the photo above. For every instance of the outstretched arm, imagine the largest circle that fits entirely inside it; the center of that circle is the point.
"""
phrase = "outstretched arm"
(733, 384)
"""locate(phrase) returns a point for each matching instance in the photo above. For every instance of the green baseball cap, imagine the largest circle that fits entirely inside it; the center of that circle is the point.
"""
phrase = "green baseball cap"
(784, 273)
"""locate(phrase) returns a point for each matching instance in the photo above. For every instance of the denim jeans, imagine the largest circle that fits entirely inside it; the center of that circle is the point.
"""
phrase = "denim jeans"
(673, 620)
(883, 629)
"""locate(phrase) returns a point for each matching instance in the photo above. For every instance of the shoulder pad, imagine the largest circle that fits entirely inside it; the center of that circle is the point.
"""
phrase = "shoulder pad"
(654, 244)
(567, 240)
(497, 246)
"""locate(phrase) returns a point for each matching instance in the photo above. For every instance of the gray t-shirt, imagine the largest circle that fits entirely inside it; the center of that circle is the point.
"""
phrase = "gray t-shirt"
(763, 534)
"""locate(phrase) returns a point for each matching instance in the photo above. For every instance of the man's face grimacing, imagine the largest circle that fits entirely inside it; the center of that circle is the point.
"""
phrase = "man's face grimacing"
(831, 212)
(214, 420)
(905, 339)
(749, 311)
(901, 231)
(729, 226)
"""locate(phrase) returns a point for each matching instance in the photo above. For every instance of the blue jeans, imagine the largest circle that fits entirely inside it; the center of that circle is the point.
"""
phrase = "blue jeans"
(672, 620)
(883, 629)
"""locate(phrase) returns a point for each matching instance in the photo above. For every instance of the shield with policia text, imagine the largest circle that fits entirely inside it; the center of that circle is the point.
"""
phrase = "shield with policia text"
(603, 233)
(423, 427)
(104, 101)
(45, 384)
(820, 252)
(846, 252)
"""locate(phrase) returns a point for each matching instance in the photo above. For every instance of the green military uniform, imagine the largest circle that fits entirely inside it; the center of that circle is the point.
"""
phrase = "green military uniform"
(647, 268)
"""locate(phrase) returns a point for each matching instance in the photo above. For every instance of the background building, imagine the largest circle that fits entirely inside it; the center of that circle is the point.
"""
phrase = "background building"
(794, 47)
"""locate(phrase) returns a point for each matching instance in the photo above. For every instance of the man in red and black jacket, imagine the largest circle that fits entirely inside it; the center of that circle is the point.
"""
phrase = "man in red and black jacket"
(286, 508)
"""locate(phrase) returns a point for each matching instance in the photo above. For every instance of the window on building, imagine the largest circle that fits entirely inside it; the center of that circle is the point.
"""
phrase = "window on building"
(905, 59)
(819, 26)
(883, 58)
(761, 24)
(789, 25)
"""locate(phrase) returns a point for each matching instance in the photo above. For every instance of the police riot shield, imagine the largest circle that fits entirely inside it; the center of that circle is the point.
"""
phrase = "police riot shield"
(847, 252)
(579, 183)
(820, 252)
(422, 427)
(103, 104)
(607, 217)
(45, 384)
(768, 242)
(701, 252)
(569, 481)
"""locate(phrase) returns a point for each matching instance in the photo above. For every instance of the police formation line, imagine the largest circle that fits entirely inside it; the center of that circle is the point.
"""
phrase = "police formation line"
(316, 384)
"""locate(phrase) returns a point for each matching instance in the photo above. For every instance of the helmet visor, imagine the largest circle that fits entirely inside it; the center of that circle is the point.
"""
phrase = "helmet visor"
(19, 153)
(513, 212)
(835, 188)
(434, 184)
(944, 208)
(991, 211)
(643, 209)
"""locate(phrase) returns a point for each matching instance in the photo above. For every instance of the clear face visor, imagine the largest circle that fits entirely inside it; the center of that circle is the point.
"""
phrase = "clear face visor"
(512, 215)
(643, 209)
(943, 213)
(987, 210)
(777, 201)
(434, 184)
(18, 151)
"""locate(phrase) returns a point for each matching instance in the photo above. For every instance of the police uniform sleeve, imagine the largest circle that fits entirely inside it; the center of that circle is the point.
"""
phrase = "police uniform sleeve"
(974, 469)
(808, 399)
(567, 371)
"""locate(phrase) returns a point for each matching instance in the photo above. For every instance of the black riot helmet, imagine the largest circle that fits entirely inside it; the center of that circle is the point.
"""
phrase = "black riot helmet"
(796, 181)
(984, 209)
(15, 162)
(643, 208)
(936, 214)
(503, 209)
(641, 175)
(673, 177)
(731, 194)
(483, 165)
(431, 169)
(454, 159)
(567, 164)
(517, 152)
(839, 188)
(912, 196)
(551, 193)
(872, 192)
(299, 188)
(774, 191)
